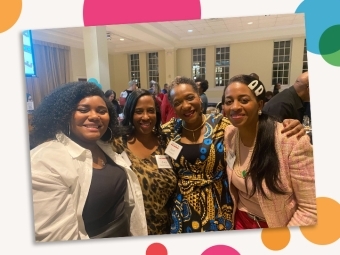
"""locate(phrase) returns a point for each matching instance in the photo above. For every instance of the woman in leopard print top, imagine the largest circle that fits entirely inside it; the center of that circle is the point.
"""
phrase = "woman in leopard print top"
(142, 143)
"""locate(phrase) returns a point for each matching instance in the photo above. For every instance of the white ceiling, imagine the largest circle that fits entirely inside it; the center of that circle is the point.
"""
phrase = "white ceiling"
(174, 34)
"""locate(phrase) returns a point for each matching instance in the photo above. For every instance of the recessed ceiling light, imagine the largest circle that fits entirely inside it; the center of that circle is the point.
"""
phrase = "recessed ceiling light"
(122, 39)
(249, 23)
(190, 30)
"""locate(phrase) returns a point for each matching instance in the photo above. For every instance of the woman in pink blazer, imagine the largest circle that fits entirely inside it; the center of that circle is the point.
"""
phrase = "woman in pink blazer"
(270, 176)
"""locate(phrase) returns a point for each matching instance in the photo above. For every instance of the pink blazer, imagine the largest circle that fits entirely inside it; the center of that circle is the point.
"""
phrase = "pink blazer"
(298, 206)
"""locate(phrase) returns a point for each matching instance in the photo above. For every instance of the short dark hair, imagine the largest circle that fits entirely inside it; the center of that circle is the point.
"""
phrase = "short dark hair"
(204, 85)
(181, 80)
(269, 93)
(54, 113)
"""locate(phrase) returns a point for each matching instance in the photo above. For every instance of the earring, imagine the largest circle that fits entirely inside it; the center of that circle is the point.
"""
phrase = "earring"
(69, 130)
(111, 133)
(259, 112)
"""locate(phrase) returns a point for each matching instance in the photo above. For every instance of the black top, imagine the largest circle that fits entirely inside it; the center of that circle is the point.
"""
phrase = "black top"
(285, 105)
(275, 91)
(190, 152)
(105, 200)
(117, 107)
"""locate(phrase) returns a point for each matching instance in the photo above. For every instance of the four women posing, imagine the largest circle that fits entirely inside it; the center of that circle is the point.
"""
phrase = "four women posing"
(196, 173)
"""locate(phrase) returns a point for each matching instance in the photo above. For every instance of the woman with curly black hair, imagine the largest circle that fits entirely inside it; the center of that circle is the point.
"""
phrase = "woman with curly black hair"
(81, 188)
(144, 146)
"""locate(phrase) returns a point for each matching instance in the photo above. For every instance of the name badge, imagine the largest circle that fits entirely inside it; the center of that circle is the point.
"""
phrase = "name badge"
(173, 149)
(231, 159)
(162, 161)
(126, 158)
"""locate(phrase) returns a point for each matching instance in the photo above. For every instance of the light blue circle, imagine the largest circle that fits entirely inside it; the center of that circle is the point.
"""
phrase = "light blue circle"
(219, 147)
(93, 80)
(203, 150)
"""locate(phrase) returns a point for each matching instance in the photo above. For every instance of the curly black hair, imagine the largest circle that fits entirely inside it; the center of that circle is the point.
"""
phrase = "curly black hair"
(54, 113)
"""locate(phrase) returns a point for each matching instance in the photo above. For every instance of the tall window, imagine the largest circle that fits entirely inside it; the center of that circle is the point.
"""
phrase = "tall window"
(153, 66)
(198, 63)
(222, 66)
(134, 68)
(305, 63)
(281, 62)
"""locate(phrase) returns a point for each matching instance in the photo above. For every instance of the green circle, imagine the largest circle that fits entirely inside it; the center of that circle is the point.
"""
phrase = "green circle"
(329, 45)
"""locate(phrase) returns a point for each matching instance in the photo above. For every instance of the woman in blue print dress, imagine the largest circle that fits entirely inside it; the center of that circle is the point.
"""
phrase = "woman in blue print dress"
(202, 201)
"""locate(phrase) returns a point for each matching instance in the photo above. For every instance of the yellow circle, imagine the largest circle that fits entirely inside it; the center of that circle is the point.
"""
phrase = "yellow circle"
(9, 13)
(195, 225)
(275, 238)
(327, 229)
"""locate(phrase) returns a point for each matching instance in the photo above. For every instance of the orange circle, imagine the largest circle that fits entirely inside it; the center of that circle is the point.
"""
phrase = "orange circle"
(275, 238)
(9, 13)
(327, 229)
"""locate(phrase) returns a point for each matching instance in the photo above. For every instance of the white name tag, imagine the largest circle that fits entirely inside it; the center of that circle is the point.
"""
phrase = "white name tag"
(173, 149)
(162, 161)
(126, 158)
(231, 159)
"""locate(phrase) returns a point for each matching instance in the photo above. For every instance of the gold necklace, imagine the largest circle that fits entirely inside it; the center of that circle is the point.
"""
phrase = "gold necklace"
(239, 171)
(194, 130)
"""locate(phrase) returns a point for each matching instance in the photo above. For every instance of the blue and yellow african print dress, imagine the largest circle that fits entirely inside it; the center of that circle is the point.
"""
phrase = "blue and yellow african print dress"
(202, 201)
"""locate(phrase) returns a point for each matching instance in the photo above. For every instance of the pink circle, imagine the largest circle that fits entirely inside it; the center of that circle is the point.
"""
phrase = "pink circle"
(105, 12)
(220, 250)
(156, 249)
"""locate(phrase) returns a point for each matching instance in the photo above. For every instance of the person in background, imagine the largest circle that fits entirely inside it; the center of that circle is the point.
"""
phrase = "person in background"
(125, 94)
(201, 201)
(81, 188)
(277, 87)
(220, 106)
(165, 88)
(152, 86)
(111, 96)
(268, 96)
(157, 94)
(143, 143)
(202, 86)
(288, 104)
(271, 177)
(167, 110)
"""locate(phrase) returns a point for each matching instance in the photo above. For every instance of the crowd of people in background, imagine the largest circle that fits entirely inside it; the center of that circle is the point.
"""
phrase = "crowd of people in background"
(154, 161)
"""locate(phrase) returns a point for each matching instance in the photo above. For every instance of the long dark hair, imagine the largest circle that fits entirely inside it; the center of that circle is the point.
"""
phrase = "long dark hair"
(264, 162)
(129, 110)
(109, 92)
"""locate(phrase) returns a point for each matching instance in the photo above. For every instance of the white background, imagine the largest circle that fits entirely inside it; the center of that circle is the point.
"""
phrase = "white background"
(17, 234)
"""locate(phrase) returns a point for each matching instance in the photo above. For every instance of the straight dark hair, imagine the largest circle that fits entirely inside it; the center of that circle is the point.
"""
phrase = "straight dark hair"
(264, 162)
(127, 127)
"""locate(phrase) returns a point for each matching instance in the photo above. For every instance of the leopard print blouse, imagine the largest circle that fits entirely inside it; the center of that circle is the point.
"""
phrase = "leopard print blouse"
(157, 184)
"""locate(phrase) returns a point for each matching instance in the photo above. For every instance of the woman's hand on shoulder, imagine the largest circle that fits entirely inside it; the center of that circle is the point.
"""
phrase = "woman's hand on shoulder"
(293, 127)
